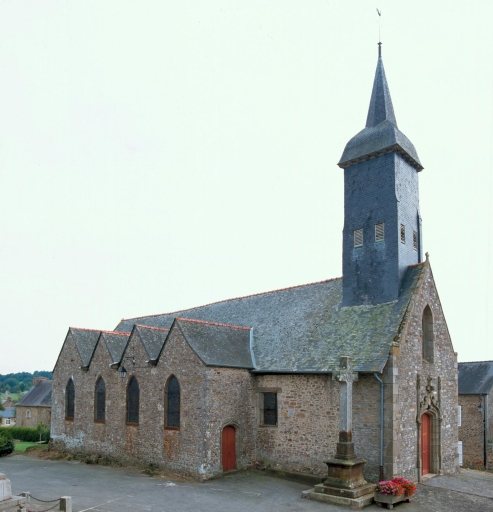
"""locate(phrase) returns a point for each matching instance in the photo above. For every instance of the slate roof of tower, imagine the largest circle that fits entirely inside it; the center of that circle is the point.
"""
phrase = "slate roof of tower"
(475, 378)
(300, 329)
(39, 395)
(381, 134)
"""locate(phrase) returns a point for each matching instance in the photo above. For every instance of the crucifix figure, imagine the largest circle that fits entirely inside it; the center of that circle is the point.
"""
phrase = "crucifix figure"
(346, 377)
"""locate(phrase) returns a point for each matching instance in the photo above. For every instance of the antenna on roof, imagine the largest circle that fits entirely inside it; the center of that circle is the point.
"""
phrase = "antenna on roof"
(379, 38)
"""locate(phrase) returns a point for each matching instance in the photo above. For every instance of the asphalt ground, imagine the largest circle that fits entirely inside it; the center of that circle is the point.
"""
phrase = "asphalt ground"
(107, 489)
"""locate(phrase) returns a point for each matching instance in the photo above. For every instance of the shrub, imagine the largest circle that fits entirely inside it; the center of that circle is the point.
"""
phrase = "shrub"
(28, 434)
(6, 445)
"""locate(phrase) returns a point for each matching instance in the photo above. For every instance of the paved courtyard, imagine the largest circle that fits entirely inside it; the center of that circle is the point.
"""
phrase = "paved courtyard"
(105, 489)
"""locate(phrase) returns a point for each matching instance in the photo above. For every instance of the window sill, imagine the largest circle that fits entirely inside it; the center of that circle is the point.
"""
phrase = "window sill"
(131, 424)
(100, 421)
(268, 426)
(171, 428)
(69, 419)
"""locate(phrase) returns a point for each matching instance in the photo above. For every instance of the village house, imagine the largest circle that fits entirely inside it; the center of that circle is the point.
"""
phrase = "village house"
(35, 406)
(476, 413)
(217, 387)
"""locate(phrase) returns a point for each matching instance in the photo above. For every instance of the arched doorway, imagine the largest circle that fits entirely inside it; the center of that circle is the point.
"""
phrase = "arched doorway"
(229, 448)
(425, 444)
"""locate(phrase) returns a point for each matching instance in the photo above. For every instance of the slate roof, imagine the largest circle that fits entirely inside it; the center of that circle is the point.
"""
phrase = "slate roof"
(475, 378)
(39, 395)
(218, 344)
(300, 329)
(85, 340)
(9, 412)
(381, 134)
(116, 343)
(153, 339)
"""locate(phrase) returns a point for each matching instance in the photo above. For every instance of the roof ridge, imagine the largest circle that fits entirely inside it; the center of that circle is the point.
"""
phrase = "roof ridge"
(154, 328)
(213, 323)
(235, 298)
(468, 362)
(116, 332)
(85, 329)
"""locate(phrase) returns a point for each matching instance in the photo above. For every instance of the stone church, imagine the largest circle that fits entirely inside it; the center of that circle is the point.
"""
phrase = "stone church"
(217, 387)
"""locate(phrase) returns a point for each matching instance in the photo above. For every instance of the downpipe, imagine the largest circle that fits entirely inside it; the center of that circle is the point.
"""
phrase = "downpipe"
(381, 475)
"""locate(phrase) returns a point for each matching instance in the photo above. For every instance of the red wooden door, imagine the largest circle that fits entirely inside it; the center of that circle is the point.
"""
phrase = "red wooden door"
(229, 448)
(425, 443)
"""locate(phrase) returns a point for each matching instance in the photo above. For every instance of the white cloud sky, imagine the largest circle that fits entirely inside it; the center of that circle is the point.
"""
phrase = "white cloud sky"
(161, 155)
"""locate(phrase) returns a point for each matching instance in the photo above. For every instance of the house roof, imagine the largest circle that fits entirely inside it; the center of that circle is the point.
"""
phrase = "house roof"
(38, 396)
(9, 412)
(475, 378)
(381, 134)
(299, 329)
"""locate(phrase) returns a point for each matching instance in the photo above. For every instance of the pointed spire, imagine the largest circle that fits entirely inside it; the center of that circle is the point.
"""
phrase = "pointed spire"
(381, 108)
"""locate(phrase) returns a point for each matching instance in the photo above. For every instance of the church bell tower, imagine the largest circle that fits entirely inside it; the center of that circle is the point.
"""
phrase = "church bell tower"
(382, 225)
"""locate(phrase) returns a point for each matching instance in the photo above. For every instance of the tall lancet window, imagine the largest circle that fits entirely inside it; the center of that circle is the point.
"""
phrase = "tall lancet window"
(173, 403)
(428, 338)
(133, 402)
(70, 400)
(100, 401)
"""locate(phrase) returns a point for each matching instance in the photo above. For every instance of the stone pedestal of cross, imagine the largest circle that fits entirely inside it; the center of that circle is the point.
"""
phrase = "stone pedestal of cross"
(345, 483)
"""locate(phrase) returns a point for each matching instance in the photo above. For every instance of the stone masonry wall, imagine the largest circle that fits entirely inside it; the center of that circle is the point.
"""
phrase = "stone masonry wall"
(37, 415)
(308, 422)
(471, 431)
(192, 449)
(401, 377)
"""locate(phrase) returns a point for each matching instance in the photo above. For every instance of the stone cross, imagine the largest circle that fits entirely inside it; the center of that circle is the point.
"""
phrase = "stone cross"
(346, 377)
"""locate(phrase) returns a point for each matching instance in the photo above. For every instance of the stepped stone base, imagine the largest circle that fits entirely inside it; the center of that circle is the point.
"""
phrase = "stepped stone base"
(15, 501)
(353, 503)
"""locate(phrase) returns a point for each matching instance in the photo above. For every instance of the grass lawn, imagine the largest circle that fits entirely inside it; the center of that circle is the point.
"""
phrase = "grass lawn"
(21, 446)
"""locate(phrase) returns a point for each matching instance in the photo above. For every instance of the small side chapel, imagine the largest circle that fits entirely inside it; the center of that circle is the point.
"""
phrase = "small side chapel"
(214, 388)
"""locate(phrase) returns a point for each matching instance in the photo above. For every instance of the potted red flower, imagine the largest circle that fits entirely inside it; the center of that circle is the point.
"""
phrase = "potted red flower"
(393, 491)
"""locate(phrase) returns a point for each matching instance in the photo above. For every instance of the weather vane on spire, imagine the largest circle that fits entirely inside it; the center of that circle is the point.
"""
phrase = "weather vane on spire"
(379, 12)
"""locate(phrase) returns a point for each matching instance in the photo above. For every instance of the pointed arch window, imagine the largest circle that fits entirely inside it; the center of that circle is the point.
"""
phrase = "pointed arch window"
(428, 339)
(70, 400)
(173, 403)
(133, 402)
(100, 401)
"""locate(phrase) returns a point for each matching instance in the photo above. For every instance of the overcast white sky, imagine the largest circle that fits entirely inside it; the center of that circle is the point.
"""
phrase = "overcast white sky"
(161, 155)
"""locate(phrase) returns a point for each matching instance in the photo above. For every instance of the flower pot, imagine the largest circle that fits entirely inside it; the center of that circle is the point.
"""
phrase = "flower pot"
(389, 499)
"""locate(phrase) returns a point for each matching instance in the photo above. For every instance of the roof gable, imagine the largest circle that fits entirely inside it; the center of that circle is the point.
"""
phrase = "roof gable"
(85, 341)
(153, 339)
(115, 342)
(218, 344)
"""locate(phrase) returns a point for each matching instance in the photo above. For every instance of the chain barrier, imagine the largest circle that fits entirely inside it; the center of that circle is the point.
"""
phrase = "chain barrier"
(56, 501)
